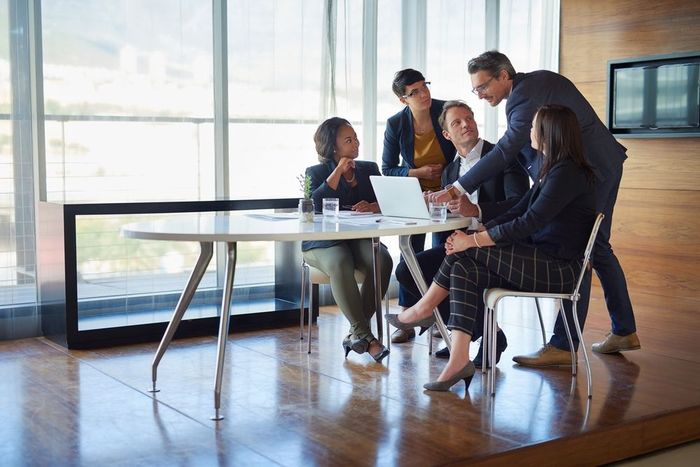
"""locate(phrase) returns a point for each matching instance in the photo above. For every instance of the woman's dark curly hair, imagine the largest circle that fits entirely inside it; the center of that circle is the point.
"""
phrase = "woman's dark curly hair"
(325, 137)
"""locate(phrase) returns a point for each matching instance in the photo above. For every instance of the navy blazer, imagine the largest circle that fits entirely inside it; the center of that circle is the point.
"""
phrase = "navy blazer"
(399, 139)
(344, 192)
(556, 215)
(530, 92)
(509, 185)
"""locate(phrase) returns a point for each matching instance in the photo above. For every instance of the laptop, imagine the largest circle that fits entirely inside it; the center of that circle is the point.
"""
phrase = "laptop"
(399, 196)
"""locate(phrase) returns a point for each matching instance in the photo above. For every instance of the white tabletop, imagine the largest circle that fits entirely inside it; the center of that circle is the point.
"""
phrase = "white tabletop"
(233, 227)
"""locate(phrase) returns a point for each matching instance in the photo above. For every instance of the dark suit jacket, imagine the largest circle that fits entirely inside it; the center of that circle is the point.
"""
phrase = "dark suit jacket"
(556, 215)
(399, 140)
(496, 195)
(346, 194)
(509, 185)
(530, 92)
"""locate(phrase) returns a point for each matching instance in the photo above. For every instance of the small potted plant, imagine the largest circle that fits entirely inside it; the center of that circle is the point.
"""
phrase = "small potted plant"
(306, 204)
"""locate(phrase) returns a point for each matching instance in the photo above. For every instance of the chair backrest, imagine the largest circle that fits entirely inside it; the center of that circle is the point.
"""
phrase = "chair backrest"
(589, 249)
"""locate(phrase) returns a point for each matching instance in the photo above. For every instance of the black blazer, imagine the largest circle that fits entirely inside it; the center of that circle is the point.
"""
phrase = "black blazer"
(345, 193)
(556, 215)
(497, 194)
(399, 139)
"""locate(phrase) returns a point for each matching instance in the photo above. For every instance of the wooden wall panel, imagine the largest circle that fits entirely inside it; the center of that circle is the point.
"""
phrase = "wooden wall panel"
(656, 228)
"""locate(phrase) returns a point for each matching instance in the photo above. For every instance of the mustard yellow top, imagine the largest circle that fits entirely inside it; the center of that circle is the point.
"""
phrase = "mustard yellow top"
(426, 150)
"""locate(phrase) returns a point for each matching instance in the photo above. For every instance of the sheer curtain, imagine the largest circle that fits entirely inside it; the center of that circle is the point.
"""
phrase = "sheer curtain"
(128, 92)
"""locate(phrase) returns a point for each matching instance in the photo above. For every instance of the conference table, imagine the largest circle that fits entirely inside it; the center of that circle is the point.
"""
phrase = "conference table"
(232, 227)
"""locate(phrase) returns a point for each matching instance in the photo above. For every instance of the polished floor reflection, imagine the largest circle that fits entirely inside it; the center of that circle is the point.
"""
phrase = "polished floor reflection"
(284, 406)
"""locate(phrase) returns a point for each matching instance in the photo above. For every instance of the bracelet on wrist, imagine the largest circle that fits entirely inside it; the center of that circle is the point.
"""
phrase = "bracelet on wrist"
(475, 241)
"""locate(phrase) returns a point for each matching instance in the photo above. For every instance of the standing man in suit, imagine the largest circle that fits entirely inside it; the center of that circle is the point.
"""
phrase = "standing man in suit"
(493, 197)
(494, 79)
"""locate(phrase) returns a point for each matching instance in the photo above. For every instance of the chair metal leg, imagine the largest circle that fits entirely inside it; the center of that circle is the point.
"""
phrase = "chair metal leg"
(311, 310)
(493, 319)
(539, 315)
(485, 337)
(304, 274)
(582, 346)
(568, 336)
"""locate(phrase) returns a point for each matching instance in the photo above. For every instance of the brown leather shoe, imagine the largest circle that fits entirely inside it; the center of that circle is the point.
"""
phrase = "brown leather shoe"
(614, 343)
(400, 336)
(546, 356)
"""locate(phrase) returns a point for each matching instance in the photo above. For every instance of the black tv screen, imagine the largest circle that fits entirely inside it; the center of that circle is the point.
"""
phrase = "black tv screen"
(654, 96)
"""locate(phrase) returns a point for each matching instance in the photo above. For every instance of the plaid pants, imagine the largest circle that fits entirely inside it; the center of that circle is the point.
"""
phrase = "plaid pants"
(520, 267)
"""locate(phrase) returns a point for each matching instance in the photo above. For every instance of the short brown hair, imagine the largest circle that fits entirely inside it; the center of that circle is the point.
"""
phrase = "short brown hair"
(449, 105)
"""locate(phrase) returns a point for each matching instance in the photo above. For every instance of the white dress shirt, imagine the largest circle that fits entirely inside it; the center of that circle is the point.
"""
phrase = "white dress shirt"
(465, 164)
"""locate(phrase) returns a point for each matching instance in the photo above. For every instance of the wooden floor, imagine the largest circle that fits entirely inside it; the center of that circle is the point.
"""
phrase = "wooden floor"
(283, 406)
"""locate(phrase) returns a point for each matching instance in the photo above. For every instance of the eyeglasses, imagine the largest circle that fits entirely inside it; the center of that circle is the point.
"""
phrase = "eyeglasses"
(483, 87)
(415, 92)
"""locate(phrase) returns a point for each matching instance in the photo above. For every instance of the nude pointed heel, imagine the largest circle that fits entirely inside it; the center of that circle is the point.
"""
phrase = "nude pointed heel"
(466, 374)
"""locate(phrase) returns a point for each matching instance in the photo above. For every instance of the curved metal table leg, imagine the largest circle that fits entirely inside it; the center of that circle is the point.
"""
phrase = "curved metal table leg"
(410, 258)
(206, 250)
(223, 327)
(377, 287)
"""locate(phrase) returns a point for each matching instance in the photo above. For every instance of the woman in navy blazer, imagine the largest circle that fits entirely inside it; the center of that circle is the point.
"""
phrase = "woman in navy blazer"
(535, 246)
(340, 176)
(417, 121)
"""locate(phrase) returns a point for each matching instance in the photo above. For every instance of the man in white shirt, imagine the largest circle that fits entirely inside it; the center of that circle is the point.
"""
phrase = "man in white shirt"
(493, 197)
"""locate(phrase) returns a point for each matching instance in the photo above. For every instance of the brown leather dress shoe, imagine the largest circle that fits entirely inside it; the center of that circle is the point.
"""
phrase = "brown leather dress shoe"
(546, 356)
(401, 335)
(614, 343)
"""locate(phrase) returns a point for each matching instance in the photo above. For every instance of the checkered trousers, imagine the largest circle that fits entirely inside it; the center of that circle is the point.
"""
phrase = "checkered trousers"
(520, 267)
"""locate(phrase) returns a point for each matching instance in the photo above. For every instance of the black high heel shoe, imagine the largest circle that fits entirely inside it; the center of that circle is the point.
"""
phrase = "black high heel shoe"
(359, 345)
(424, 323)
(347, 344)
(423, 329)
(466, 374)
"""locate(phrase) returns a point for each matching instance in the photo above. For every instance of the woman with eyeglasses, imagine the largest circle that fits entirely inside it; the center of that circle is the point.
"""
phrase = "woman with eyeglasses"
(340, 175)
(537, 245)
(415, 147)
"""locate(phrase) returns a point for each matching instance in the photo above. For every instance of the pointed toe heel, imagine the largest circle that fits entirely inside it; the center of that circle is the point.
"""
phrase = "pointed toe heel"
(466, 374)
(393, 319)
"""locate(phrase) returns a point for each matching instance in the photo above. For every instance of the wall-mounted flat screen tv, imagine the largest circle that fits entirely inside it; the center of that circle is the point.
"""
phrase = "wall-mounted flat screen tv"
(656, 96)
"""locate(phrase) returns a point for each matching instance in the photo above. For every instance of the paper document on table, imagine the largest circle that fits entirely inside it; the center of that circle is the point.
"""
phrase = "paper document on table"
(280, 216)
(370, 219)
(353, 214)
(378, 219)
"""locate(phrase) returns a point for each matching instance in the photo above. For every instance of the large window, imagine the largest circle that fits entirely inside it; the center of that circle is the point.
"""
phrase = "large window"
(129, 113)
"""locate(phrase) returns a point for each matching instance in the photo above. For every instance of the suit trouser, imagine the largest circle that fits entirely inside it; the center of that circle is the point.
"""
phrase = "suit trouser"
(339, 262)
(429, 262)
(609, 271)
(409, 297)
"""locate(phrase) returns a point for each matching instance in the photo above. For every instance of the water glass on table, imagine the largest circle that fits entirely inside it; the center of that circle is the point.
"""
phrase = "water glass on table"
(331, 208)
(438, 211)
